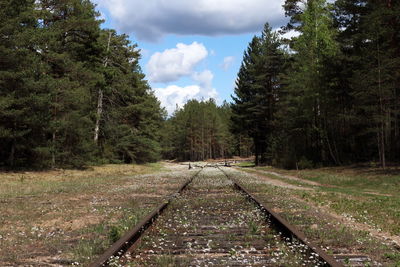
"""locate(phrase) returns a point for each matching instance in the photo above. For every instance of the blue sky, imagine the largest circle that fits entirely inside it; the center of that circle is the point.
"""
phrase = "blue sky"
(191, 49)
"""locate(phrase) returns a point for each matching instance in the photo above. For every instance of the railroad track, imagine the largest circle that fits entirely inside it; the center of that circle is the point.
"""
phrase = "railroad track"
(213, 220)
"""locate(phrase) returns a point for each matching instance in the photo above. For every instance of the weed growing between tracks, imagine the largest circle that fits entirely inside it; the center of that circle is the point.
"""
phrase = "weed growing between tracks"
(67, 217)
(211, 224)
(296, 205)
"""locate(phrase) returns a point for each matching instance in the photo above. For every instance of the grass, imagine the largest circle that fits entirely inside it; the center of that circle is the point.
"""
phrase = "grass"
(368, 198)
(346, 192)
(276, 177)
(109, 233)
(254, 227)
(381, 212)
(213, 218)
(367, 195)
(245, 164)
(70, 216)
(356, 179)
(28, 184)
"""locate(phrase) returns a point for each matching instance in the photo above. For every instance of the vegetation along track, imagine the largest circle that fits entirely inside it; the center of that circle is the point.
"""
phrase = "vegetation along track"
(213, 223)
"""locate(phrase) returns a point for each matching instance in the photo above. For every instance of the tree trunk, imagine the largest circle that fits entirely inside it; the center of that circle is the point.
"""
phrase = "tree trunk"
(100, 98)
(191, 147)
(202, 138)
(240, 146)
(53, 153)
(383, 153)
(98, 116)
(382, 118)
(256, 148)
(11, 157)
(329, 142)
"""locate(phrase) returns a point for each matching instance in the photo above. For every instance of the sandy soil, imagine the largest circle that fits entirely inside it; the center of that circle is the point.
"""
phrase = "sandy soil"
(325, 211)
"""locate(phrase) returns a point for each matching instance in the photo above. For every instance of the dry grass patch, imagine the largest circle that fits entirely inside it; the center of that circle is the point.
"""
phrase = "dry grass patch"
(311, 212)
(367, 195)
(66, 217)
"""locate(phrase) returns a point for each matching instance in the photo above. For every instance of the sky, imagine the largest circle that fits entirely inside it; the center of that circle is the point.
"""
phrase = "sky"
(191, 49)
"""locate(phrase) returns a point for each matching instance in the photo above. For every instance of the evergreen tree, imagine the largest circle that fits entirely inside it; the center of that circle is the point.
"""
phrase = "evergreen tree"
(23, 100)
(308, 103)
(257, 90)
(131, 115)
(376, 81)
(198, 131)
(54, 62)
(70, 49)
(369, 41)
(338, 100)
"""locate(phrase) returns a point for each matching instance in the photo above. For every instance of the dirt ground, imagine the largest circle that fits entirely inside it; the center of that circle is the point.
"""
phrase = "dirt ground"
(211, 223)
(68, 217)
(326, 211)
(338, 233)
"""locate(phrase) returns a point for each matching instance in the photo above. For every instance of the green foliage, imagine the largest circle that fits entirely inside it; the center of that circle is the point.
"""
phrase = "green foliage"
(375, 82)
(132, 117)
(256, 92)
(198, 131)
(305, 164)
(304, 116)
(336, 89)
(73, 94)
(55, 60)
(115, 234)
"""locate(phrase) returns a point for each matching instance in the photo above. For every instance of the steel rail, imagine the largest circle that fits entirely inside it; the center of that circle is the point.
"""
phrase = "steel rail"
(284, 227)
(287, 230)
(132, 236)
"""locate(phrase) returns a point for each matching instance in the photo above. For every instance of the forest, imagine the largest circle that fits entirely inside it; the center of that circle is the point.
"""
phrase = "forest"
(73, 94)
(329, 96)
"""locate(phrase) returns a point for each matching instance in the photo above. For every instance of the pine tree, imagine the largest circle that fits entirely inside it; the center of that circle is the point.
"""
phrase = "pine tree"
(198, 131)
(308, 93)
(130, 119)
(70, 49)
(370, 42)
(257, 90)
(22, 97)
(376, 81)
(55, 65)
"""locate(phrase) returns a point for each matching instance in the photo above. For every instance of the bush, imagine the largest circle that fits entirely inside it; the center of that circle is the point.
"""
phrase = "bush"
(305, 164)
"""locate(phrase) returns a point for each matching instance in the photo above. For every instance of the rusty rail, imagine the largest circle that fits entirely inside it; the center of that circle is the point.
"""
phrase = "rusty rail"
(130, 238)
(286, 229)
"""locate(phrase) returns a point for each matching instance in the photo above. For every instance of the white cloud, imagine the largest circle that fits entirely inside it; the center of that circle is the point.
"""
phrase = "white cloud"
(228, 61)
(174, 95)
(291, 34)
(151, 20)
(204, 78)
(175, 63)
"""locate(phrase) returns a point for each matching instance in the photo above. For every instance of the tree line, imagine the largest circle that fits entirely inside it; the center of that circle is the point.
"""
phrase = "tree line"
(71, 93)
(198, 131)
(329, 96)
